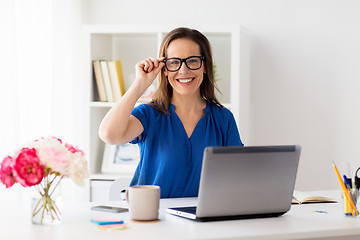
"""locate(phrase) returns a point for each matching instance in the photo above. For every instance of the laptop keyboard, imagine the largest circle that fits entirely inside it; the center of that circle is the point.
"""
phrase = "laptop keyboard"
(187, 209)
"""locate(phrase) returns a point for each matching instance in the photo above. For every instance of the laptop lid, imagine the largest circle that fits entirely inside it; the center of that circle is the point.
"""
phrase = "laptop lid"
(253, 180)
(244, 182)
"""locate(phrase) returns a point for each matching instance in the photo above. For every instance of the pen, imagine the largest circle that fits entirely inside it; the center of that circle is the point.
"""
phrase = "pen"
(107, 223)
(354, 211)
(347, 183)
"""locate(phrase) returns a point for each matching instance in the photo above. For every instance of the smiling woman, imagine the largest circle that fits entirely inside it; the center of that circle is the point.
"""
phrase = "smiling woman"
(182, 119)
(186, 43)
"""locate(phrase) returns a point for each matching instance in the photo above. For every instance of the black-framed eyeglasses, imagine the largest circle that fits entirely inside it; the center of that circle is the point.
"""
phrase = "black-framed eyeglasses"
(192, 62)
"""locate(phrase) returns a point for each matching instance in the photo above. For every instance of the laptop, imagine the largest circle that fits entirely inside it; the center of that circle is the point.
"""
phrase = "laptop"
(244, 182)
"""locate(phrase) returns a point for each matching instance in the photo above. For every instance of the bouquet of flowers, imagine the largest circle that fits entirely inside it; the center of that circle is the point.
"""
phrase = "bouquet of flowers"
(42, 163)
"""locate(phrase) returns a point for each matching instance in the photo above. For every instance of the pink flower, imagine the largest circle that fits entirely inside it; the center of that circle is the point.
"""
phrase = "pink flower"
(27, 168)
(73, 149)
(55, 158)
(42, 157)
(52, 154)
(6, 172)
(42, 138)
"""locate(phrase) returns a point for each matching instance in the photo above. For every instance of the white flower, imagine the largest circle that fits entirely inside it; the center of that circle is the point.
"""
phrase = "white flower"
(78, 168)
(65, 159)
(53, 154)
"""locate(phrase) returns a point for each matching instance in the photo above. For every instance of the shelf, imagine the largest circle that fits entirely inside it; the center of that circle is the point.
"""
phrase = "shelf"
(97, 104)
(108, 176)
(110, 104)
(146, 29)
(133, 43)
(102, 104)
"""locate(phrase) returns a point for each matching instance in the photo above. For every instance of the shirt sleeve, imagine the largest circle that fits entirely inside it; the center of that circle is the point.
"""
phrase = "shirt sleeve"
(141, 112)
(233, 136)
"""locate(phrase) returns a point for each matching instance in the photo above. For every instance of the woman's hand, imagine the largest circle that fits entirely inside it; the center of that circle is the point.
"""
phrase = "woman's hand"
(148, 69)
(118, 125)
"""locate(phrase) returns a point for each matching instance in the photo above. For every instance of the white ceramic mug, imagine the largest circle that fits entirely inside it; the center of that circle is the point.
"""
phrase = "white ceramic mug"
(143, 202)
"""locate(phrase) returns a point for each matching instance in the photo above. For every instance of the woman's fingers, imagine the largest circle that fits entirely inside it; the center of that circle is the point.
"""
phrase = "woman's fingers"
(156, 61)
(151, 63)
(148, 65)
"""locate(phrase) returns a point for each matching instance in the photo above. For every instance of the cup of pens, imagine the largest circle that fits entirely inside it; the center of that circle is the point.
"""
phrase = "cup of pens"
(350, 192)
(348, 209)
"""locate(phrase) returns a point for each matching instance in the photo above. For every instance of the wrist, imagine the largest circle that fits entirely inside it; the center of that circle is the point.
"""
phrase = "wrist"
(138, 87)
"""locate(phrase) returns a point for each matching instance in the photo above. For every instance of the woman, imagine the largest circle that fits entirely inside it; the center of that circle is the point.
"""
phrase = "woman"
(183, 118)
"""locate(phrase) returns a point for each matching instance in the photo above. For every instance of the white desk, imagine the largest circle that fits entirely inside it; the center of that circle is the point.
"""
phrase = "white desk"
(301, 222)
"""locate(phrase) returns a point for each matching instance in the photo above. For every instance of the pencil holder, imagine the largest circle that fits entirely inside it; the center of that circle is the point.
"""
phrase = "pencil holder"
(349, 203)
(356, 199)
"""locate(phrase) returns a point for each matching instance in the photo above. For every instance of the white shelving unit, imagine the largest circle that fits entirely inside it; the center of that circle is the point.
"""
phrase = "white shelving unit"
(133, 43)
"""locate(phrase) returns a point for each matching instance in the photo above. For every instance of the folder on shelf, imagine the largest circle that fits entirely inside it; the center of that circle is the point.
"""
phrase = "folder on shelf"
(107, 81)
(117, 79)
(99, 81)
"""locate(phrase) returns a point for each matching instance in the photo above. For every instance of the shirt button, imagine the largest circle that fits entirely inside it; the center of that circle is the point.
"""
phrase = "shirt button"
(188, 169)
(179, 189)
(188, 145)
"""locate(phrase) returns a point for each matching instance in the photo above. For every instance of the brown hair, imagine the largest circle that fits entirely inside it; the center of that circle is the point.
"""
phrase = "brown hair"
(161, 99)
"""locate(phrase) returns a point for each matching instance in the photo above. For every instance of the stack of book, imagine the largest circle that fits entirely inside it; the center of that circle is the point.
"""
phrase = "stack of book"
(109, 80)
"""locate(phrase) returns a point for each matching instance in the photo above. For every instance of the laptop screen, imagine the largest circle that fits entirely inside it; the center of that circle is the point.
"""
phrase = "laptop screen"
(247, 180)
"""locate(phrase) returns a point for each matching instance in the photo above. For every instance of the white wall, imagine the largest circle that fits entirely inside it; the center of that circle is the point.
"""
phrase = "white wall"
(304, 75)
(40, 65)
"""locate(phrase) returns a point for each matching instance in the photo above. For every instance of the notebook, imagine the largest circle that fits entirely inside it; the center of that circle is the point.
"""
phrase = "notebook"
(244, 182)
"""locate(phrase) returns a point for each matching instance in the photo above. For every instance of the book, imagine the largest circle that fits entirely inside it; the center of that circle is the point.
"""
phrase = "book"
(303, 198)
(117, 78)
(107, 81)
(120, 74)
(99, 81)
(114, 80)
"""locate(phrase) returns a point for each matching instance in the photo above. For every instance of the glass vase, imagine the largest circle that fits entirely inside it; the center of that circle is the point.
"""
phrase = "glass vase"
(46, 204)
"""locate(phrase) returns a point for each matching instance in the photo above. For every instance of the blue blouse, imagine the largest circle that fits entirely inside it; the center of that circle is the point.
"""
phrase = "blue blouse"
(172, 160)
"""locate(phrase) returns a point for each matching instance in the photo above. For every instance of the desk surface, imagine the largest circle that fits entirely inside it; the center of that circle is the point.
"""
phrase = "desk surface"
(301, 222)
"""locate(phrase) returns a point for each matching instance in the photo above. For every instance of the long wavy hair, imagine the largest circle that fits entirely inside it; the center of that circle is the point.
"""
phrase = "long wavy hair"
(162, 97)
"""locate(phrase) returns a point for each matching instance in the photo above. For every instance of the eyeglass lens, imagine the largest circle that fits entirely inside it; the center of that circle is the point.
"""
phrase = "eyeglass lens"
(174, 64)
